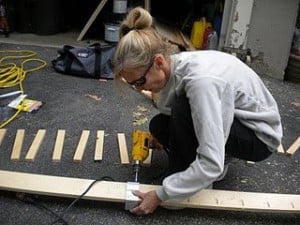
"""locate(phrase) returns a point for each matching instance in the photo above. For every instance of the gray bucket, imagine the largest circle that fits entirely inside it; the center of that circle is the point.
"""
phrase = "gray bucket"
(111, 33)
(120, 6)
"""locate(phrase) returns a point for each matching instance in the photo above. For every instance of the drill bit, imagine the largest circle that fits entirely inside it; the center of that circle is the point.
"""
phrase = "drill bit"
(136, 170)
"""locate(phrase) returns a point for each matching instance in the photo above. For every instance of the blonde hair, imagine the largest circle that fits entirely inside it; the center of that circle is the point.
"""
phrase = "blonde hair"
(138, 43)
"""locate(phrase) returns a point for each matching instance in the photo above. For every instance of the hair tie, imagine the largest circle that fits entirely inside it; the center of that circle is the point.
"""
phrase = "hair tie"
(126, 30)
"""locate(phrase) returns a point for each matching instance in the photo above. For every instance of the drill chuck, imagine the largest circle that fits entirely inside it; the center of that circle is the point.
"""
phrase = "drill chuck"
(136, 170)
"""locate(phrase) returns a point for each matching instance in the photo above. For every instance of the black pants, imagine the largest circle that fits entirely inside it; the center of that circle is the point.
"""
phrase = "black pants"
(176, 133)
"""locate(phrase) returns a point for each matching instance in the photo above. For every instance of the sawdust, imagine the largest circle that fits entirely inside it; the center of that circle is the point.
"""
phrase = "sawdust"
(141, 116)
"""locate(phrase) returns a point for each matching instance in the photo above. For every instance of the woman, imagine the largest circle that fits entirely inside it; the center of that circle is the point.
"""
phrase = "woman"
(211, 103)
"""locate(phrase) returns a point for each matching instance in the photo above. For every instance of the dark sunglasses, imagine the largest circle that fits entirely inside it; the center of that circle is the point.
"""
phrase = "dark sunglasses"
(142, 80)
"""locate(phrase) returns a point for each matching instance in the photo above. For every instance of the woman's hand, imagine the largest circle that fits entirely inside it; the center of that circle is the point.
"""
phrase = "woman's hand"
(148, 203)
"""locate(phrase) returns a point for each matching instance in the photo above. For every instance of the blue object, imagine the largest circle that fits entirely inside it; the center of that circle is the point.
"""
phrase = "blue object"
(218, 24)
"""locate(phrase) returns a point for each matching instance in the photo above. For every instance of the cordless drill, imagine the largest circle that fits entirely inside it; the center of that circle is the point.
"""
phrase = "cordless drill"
(140, 150)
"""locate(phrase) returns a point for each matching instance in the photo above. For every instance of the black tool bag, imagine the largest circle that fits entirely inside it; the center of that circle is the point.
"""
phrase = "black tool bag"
(93, 61)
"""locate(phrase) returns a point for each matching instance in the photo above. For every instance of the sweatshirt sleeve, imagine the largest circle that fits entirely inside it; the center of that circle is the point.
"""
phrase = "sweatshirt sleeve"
(206, 100)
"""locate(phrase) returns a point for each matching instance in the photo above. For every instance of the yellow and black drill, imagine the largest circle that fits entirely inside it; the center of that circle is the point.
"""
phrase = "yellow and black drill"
(142, 143)
(140, 150)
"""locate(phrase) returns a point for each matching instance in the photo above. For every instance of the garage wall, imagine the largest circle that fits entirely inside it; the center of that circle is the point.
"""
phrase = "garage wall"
(270, 35)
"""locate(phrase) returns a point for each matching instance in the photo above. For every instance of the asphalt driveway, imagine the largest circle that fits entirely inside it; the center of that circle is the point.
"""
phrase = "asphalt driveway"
(75, 104)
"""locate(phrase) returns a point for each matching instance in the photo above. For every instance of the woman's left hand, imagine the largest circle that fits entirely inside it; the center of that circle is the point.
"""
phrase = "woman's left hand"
(148, 203)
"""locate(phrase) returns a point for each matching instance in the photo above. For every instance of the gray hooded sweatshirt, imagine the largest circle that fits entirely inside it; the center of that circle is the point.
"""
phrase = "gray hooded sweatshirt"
(219, 87)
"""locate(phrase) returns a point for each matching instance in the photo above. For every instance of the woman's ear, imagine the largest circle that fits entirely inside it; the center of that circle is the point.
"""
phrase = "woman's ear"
(159, 60)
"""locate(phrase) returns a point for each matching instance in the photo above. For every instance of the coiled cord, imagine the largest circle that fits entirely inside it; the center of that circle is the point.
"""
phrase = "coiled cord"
(12, 75)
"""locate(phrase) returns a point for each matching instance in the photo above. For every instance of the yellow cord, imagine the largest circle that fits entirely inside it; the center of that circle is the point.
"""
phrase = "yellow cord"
(12, 75)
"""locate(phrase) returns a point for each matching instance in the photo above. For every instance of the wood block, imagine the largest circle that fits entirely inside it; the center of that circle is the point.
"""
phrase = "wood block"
(99, 145)
(250, 163)
(147, 161)
(2, 134)
(293, 148)
(280, 149)
(59, 143)
(123, 148)
(81, 146)
(33, 150)
(16, 150)
(116, 192)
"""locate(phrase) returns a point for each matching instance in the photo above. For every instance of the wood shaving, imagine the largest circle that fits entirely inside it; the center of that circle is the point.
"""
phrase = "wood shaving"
(142, 108)
(140, 122)
(95, 97)
(297, 104)
(137, 114)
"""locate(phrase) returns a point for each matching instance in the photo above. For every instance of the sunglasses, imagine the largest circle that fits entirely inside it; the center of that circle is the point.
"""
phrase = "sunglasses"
(142, 80)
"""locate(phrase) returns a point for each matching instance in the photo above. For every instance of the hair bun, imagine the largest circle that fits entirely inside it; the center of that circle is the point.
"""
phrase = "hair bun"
(140, 18)
(137, 19)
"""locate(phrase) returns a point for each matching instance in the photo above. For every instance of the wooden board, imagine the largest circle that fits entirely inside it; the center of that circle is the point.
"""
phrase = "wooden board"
(173, 34)
(91, 19)
(123, 148)
(116, 192)
(2, 134)
(81, 146)
(58, 147)
(33, 150)
(99, 145)
(147, 161)
(293, 148)
(250, 163)
(16, 150)
(147, 5)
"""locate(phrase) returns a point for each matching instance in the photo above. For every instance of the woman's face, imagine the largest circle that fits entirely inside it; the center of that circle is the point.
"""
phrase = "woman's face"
(151, 78)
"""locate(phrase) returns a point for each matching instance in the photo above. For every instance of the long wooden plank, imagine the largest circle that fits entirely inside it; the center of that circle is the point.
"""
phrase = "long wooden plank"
(81, 146)
(293, 148)
(123, 148)
(116, 192)
(58, 147)
(2, 134)
(91, 19)
(99, 145)
(33, 150)
(17, 147)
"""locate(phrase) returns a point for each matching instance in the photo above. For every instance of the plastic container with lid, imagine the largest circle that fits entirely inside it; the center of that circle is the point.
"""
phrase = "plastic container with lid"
(111, 33)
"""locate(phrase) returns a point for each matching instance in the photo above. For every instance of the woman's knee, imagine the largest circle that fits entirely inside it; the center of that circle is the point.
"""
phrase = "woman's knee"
(159, 122)
(159, 128)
